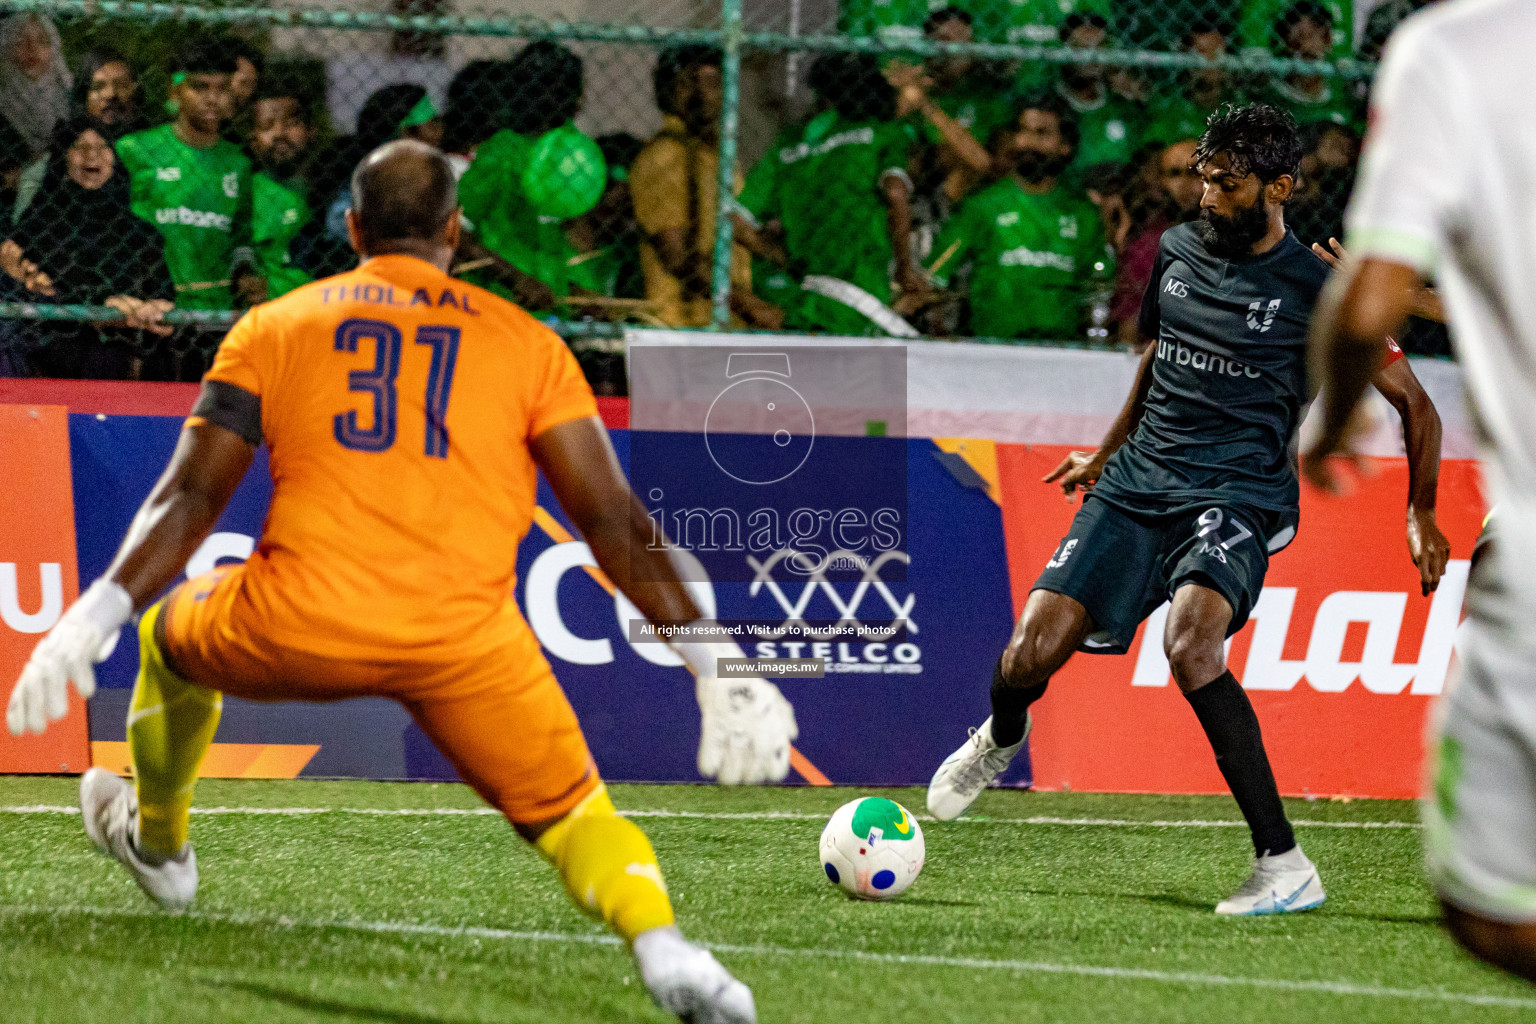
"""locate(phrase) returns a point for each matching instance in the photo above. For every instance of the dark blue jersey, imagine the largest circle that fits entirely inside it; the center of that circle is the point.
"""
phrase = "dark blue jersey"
(1228, 382)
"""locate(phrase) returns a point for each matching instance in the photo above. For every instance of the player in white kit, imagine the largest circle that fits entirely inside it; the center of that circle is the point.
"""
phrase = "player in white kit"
(1447, 189)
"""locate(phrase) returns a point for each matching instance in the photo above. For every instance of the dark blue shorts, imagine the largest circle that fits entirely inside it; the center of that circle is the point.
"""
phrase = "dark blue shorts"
(1121, 566)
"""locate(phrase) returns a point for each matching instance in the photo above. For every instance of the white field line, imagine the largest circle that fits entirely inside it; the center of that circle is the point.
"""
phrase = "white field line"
(430, 812)
(1182, 978)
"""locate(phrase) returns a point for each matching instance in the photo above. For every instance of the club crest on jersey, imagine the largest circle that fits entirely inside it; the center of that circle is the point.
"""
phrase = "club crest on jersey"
(232, 184)
(1254, 323)
(1060, 558)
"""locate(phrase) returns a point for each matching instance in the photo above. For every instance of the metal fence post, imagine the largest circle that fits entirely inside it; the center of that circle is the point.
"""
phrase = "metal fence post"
(730, 25)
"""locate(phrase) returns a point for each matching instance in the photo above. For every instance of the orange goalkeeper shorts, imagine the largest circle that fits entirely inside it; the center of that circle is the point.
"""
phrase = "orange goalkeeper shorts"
(500, 716)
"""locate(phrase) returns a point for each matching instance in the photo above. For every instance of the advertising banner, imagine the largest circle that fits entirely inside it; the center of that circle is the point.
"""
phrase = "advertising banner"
(37, 572)
(1342, 656)
(883, 713)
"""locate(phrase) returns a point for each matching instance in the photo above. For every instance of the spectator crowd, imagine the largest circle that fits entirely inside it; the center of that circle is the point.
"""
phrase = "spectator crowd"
(949, 196)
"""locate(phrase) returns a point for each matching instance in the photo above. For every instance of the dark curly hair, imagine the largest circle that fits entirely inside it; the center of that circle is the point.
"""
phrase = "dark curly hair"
(672, 63)
(1260, 139)
(547, 83)
(854, 84)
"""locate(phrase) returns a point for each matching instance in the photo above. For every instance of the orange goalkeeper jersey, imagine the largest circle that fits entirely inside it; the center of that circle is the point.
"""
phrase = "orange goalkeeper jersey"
(397, 404)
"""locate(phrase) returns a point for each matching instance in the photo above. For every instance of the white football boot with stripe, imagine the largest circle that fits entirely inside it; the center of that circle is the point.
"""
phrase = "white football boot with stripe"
(969, 770)
(1282, 884)
(688, 981)
(110, 809)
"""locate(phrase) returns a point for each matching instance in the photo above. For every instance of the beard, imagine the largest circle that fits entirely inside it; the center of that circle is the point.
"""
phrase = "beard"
(702, 120)
(1035, 167)
(113, 113)
(1229, 237)
(282, 162)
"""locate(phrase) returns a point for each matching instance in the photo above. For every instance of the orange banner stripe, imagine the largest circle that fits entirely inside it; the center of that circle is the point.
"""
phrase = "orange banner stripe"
(560, 535)
(808, 771)
(223, 760)
(982, 456)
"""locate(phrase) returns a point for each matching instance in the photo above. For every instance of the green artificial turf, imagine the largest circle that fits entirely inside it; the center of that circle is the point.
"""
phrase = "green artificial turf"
(410, 918)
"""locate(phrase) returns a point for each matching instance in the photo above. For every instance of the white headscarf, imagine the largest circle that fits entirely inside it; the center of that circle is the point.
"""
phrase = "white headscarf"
(33, 106)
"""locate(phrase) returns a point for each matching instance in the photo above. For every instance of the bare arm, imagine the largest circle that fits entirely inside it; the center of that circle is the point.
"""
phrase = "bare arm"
(755, 241)
(531, 293)
(695, 271)
(898, 224)
(206, 467)
(1082, 469)
(1421, 440)
(747, 726)
(582, 469)
(208, 464)
(1400, 386)
(1426, 301)
(956, 137)
(1363, 303)
(1427, 305)
(912, 86)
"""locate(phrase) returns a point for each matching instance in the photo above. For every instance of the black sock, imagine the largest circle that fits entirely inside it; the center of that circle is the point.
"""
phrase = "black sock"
(1233, 729)
(1010, 707)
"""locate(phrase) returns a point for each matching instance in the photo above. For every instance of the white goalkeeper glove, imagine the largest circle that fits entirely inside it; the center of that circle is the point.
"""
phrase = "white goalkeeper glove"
(83, 637)
(747, 724)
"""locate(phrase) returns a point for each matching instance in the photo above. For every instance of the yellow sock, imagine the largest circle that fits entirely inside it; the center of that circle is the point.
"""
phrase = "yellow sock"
(608, 867)
(170, 725)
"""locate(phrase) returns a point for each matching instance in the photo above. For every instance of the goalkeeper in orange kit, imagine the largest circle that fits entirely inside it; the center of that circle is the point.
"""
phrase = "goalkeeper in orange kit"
(406, 413)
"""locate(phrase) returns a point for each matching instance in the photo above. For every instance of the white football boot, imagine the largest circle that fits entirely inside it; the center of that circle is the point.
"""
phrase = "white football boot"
(1282, 884)
(969, 770)
(688, 981)
(110, 808)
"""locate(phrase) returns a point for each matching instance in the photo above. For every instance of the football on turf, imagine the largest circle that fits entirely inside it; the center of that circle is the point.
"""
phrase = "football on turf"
(872, 848)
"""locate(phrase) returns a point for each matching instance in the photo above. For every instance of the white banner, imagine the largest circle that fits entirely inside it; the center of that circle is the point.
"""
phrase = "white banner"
(1038, 395)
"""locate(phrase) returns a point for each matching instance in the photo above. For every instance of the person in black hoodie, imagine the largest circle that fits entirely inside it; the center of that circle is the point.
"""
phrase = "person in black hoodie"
(80, 243)
(393, 112)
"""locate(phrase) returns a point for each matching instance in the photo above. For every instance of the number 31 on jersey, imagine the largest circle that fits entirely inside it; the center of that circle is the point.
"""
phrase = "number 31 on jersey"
(379, 382)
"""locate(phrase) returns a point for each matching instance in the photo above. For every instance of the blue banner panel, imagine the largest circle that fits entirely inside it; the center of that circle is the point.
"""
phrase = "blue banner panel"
(885, 714)
(115, 462)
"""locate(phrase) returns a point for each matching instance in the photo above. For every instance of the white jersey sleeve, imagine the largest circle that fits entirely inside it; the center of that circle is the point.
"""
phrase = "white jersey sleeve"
(1413, 172)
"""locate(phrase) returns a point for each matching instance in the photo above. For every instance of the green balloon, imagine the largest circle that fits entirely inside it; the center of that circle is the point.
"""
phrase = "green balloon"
(565, 175)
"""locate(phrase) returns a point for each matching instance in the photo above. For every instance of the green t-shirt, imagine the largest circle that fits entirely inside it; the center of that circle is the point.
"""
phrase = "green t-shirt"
(978, 102)
(1030, 23)
(823, 180)
(1033, 259)
(200, 199)
(279, 211)
(1108, 131)
(1336, 104)
(613, 271)
(1256, 29)
(505, 221)
(1175, 118)
(890, 20)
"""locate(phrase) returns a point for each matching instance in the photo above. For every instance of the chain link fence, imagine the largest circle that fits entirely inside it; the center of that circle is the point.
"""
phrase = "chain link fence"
(998, 169)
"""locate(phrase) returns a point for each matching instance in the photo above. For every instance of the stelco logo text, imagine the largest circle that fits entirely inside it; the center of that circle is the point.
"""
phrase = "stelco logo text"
(542, 605)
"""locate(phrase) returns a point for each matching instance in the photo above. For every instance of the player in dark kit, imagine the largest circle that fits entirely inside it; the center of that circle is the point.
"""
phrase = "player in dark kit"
(1195, 486)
